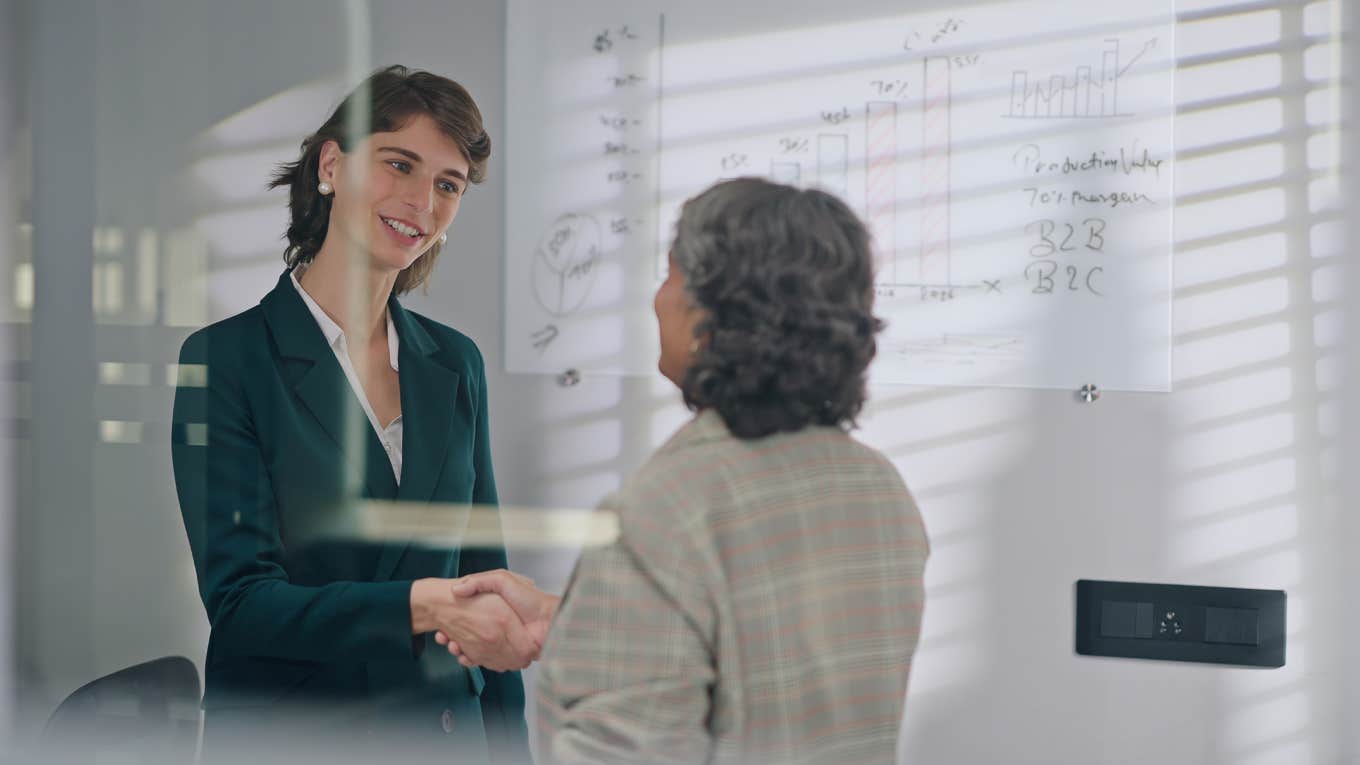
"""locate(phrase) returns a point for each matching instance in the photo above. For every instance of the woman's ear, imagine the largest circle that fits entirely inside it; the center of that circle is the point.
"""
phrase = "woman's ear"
(328, 163)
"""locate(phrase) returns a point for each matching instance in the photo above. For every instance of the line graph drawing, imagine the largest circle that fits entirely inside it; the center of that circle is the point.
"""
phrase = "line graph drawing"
(1085, 94)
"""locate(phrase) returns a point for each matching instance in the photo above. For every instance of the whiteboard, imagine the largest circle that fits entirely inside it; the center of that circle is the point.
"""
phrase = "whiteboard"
(1013, 162)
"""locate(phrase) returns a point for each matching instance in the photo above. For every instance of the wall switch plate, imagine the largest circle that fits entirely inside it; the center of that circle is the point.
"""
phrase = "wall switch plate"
(1174, 622)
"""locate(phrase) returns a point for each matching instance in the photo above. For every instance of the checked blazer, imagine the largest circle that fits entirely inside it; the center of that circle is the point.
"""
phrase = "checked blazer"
(761, 604)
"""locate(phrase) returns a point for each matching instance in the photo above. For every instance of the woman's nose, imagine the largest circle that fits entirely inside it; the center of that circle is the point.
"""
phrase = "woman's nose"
(418, 195)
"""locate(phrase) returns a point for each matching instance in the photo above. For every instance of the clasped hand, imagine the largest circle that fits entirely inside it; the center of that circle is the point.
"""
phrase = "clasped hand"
(495, 619)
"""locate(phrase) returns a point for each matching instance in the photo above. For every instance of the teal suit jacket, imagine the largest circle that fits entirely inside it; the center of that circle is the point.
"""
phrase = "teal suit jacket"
(311, 625)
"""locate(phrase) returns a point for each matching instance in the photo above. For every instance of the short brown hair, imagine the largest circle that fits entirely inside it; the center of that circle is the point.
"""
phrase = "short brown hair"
(393, 97)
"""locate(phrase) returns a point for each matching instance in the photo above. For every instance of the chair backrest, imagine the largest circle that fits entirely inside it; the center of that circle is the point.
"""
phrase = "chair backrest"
(145, 713)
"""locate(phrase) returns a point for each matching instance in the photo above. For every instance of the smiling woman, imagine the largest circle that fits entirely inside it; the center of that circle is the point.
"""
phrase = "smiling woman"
(329, 391)
(429, 119)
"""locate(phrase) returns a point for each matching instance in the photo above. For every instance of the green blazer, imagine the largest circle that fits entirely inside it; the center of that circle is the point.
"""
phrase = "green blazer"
(310, 637)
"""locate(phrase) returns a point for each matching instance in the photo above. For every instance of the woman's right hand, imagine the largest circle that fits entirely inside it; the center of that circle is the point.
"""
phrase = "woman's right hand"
(534, 607)
(485, 627)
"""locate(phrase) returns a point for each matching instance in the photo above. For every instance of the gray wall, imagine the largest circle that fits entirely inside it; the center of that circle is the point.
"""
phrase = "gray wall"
(1350, 494)
(13, 148)
(57, 637)
(1230, 480)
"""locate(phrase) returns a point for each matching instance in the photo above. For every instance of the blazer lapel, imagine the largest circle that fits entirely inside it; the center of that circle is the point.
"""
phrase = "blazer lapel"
(310, 367)
(429, 391)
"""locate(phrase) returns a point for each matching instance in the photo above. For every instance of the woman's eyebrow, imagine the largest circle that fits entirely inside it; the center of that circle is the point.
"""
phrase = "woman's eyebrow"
(414, 157)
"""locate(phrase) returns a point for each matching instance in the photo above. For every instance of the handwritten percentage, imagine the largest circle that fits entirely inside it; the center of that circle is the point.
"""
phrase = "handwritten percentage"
(949, 27)
(836, 116)
(735, 161)
(889, 87)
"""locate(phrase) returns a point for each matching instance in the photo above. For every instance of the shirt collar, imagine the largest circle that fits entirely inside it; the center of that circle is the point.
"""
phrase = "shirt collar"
(334, 334)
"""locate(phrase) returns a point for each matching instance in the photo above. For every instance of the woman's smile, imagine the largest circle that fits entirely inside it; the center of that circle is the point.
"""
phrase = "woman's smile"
(403, 232)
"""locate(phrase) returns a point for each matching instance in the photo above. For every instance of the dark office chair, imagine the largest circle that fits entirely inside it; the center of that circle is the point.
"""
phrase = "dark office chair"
(145, 713)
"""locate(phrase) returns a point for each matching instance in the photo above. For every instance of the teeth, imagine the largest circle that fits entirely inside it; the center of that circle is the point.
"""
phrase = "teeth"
(402, 228)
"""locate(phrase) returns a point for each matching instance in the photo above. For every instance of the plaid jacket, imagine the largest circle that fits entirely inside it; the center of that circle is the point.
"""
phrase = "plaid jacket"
(761, 604)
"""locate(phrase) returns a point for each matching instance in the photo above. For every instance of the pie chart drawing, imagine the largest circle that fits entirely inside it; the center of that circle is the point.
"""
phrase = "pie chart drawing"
(564, 265)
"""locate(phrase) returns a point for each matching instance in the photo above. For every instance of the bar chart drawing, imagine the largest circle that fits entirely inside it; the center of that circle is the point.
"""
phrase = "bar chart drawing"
(918, 256)
(786, 172)
(1011, 163)
(935, 266)
(880, 182)
(833, 162)
(1088, 93)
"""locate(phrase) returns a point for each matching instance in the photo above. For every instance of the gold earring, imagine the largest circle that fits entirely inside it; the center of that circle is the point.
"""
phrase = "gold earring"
(694, 347)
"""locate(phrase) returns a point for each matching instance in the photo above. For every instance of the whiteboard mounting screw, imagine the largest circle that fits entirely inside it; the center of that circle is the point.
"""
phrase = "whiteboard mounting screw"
(1088, 393)
(569, 378)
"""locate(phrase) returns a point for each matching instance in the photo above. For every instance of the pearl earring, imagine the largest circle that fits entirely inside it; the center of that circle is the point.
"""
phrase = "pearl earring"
(694, 347)
(443, 238)
(325, 188)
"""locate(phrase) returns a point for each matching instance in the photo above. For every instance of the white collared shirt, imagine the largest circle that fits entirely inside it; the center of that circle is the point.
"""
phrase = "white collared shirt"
(390, 436)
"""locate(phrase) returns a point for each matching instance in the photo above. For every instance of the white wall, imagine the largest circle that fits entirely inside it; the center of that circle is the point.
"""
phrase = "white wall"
(1230, 480)
(1224, 482)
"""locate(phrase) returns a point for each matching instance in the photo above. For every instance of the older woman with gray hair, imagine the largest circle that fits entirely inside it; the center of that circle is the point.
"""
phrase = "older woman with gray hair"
(764, 597)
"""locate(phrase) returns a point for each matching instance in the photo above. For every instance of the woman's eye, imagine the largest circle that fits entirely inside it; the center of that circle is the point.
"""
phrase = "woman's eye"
(448, 188)
(400, 166)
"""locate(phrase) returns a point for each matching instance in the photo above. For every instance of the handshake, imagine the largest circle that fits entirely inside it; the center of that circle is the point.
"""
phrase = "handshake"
(494, 619)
